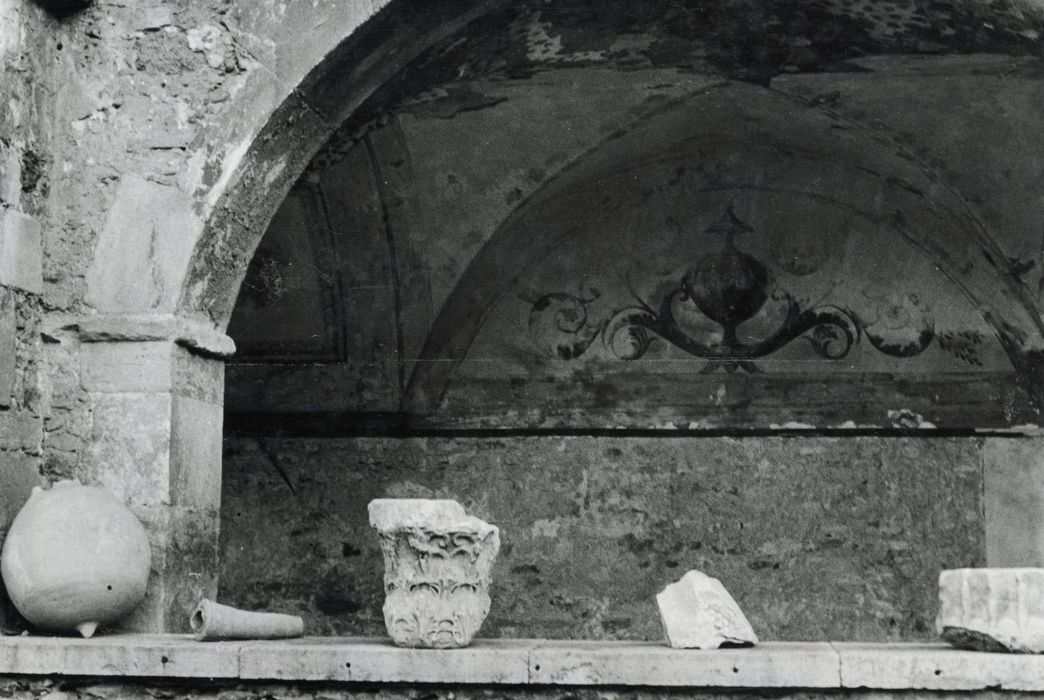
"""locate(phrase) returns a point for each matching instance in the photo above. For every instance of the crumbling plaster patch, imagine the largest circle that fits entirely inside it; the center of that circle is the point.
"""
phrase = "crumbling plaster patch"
(171, 94)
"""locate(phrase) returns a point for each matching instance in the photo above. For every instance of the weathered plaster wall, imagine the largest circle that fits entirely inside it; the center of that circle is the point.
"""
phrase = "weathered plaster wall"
(817, 538)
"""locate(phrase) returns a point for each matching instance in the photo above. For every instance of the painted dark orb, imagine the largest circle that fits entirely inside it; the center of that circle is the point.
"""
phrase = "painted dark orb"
(729, 287)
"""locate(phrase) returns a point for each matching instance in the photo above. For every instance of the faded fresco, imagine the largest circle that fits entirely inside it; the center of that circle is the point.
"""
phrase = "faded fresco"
(737, 284)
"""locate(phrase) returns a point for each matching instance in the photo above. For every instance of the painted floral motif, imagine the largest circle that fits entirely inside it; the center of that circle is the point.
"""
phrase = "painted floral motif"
(724, 290)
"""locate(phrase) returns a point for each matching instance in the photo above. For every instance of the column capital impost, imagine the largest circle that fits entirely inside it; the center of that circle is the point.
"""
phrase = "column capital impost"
(197, 336)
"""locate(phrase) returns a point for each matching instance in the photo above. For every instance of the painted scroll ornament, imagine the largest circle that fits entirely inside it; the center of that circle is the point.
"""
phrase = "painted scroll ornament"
(75, 558)
(992, 609)
(698, 613)
(437, 568)
(725, 290)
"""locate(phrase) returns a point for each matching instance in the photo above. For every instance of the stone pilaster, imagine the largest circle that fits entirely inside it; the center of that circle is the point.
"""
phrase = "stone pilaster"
(155, 442)
(1013, 501)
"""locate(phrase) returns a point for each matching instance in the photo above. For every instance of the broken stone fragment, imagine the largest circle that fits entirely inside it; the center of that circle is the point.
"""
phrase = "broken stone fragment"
(438, 563)
(992, 609)
(698, 613)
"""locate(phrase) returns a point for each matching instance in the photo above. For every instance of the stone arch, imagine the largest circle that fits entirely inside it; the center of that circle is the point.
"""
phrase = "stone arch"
(166, 273)
(326, 97)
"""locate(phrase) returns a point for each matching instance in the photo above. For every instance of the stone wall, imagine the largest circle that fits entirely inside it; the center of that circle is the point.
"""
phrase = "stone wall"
(24, 140)
(817, 538)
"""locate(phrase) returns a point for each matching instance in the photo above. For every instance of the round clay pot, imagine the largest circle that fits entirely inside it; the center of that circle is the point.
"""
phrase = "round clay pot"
(75, 558)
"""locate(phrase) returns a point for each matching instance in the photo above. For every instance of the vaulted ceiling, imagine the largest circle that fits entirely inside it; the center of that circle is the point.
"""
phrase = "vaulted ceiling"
(886, 157)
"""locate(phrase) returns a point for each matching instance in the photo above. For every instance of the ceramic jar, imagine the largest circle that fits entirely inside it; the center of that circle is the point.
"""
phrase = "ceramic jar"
(75, 558)
(438, 564)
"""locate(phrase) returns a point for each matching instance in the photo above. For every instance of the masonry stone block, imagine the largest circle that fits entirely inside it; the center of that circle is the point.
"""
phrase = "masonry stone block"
(195, 455)
(157, 17)
(992, 609)
(21, 253)
(156, 439)
(8, 331)
(184, 566)
(19, 473)
(135, 367)
(199, 378)
(143, 249)
(20, 430)
(10, 175)
(1013, 476)
(129, 453)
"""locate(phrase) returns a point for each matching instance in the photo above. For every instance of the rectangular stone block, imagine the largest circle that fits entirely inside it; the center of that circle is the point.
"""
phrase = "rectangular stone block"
(992, 609)
(10, 170)
(195, 453)
(21, 251)
(149, 227)
(138, 367)
(20, 430)
(191, 573)
(143, 366)
(130, 655)
(129, 452)
(19, 473)
(153, 18)
(375, 661)
(770, 665)
(936, 667)
(184, 566)
(1013, 476)
(8, 332)
(197, 377)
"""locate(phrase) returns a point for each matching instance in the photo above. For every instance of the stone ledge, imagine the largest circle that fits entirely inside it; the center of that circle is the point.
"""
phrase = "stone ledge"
(199, 337)
(768, 665)
(811, 665)
(936, 667)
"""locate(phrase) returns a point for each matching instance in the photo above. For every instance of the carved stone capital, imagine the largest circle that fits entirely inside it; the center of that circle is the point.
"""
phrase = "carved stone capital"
(437, 568)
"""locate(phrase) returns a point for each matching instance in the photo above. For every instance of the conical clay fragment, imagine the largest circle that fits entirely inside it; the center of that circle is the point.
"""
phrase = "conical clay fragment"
(698, 613)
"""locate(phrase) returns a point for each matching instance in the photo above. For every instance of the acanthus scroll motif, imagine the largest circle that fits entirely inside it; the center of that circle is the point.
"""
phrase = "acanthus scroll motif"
(729, 288)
